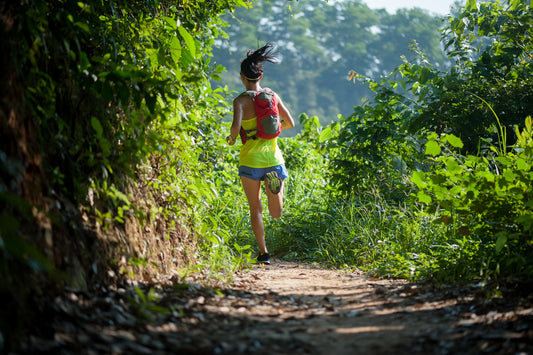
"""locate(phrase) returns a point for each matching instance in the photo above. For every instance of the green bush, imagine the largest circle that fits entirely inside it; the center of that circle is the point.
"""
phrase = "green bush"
(487, 199)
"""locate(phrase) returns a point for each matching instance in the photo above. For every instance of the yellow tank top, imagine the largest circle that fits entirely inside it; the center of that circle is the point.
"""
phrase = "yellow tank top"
(259, 153)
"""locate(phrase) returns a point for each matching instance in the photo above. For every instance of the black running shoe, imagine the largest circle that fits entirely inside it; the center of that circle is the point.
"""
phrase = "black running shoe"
(263, 259)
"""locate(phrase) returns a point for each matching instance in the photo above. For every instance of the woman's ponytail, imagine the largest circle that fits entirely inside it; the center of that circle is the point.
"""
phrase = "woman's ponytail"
(252, 65)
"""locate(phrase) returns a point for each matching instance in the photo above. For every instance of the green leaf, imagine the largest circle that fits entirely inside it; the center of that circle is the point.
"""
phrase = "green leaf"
(456, 190)
(504, 160)
(158, 309)
(527, 221)
(452, 165)
(424, 75)
(521, 164)
(171, 22)
(415, 87)
(83, 26)
(152, 55)
(84, 61)
(211, 238)
(189, 40)
(454, 141)
(471, 5)
(175, 49)
(97, 126)
(432, 148)
(423, 197)
(500, 242)
(515, 4)
(509, 175)
(418, 178)
(140, 294)
(325, 134)
(487, 175)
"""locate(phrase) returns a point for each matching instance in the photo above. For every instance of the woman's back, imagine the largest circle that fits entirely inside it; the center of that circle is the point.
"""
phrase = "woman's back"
(244, 101)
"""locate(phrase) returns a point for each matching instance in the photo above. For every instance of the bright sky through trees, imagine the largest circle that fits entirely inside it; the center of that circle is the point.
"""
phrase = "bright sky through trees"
(440, 7)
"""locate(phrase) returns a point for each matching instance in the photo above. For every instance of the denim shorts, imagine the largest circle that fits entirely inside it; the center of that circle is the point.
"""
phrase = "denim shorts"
(258, 174)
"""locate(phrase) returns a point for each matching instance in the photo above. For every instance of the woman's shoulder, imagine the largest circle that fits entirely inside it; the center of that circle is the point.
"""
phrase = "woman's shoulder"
(241, 96)
(242, 99)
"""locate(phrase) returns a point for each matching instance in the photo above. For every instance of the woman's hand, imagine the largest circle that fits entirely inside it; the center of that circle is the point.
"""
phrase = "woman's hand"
(231, 140)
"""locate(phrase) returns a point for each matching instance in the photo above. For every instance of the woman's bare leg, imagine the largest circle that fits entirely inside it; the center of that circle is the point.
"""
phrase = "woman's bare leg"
(252, 189)
(275, 201)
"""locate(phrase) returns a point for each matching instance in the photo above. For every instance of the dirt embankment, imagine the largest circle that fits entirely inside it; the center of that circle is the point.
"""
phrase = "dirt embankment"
(288, 308)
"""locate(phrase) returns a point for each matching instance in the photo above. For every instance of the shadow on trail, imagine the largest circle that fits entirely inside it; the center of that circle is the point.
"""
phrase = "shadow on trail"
(370, 319)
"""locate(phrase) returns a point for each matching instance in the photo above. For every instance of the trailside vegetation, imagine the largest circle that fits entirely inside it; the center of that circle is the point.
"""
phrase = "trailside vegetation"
(430, 179)
(108, 142)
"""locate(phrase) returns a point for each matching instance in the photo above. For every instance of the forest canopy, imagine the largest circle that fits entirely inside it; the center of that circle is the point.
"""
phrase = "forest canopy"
(320, 42)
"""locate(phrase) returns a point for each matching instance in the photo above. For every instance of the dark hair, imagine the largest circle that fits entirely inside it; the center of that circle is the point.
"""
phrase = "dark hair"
(252, 65)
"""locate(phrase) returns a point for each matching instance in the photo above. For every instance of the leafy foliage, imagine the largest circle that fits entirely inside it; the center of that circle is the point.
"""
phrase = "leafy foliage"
(115, 101)
(417, 98)
(374, 148)
(118, 86)
(319, 42)
(455, 140)
(492, 47)
(485, 198)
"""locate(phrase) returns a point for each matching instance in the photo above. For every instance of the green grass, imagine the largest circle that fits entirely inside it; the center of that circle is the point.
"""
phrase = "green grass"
(382, 237)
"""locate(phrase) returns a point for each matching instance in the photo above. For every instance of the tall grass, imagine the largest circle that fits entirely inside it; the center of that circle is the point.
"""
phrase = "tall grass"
(317, 225)
(382, 237)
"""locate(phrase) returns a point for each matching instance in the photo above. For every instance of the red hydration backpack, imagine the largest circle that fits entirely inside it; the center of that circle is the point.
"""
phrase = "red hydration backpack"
(267, 113)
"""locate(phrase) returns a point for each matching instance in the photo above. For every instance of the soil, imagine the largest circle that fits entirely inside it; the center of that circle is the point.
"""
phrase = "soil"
(288, 308)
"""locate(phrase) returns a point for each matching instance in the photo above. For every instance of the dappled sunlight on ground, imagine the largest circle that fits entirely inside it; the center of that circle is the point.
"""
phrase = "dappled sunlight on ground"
(287, 308)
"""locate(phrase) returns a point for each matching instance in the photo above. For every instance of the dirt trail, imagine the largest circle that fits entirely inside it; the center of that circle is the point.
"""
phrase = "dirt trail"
(344, 313)
(333, 312)
(289, 308)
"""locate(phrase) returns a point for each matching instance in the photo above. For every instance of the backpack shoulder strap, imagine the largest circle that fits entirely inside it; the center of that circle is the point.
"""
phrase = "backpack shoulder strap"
(250, 93)
(253, 92)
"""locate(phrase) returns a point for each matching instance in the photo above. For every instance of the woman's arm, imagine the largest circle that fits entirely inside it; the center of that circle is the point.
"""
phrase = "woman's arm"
(288, 121)
(238, 111)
